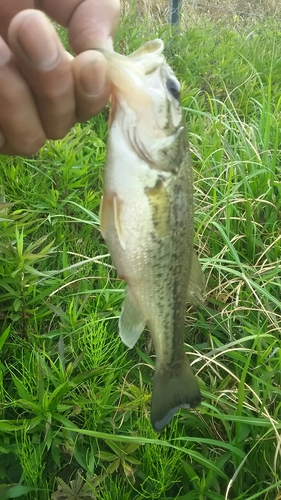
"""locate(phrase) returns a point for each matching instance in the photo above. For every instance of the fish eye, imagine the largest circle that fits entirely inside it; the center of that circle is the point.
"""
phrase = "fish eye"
(173, 87)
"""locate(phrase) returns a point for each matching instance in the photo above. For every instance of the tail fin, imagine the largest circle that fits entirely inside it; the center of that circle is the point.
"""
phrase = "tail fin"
(174, 387)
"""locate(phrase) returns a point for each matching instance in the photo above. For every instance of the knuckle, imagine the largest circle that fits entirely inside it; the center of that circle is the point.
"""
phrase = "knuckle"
(56, 86)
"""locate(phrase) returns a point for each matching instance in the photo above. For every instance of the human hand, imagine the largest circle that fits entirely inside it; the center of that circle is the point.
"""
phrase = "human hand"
(43, 90)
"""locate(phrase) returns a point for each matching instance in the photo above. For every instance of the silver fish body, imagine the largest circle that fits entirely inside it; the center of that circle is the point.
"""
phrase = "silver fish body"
(147, 219)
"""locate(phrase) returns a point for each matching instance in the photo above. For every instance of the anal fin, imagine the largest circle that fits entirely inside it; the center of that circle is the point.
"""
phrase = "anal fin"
(131, 322)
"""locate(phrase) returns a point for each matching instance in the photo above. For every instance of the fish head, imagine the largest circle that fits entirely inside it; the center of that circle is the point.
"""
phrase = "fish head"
(145, 96)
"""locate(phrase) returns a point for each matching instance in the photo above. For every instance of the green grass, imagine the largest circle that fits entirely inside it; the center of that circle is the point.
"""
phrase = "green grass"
(74, 401)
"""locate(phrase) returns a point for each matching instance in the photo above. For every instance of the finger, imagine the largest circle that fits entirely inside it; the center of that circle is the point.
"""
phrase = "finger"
(47, 69)
(90, 23)
(21, 131)
(8, 9)
(91, 83)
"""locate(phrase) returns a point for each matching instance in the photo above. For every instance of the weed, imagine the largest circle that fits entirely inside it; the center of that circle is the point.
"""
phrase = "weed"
(74, 402)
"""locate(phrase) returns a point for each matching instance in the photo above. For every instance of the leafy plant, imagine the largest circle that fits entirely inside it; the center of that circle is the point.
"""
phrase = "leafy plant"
(74, 411)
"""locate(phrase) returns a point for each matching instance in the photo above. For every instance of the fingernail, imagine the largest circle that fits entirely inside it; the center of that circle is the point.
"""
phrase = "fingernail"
(104, 43)
(4, 52)
(109, 43)
(37, 41)
(93, 77)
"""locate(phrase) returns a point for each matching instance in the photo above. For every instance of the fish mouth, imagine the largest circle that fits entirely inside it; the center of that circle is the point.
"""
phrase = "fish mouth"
(127, 73)
(145, 59)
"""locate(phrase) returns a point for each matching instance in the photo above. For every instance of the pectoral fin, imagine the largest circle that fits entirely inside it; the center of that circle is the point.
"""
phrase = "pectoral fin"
(196, 285)
(110, 214)
(106, 214)
(131, 322)
(117, 205)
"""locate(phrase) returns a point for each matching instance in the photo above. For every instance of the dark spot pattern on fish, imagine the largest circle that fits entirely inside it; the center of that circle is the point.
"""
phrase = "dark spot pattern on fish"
(160, 207)
(158, 223)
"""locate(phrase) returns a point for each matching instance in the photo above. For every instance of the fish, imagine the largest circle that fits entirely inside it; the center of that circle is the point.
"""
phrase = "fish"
(146, 218)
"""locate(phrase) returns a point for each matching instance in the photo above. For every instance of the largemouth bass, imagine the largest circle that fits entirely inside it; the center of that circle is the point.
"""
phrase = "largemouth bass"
(147, 218)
